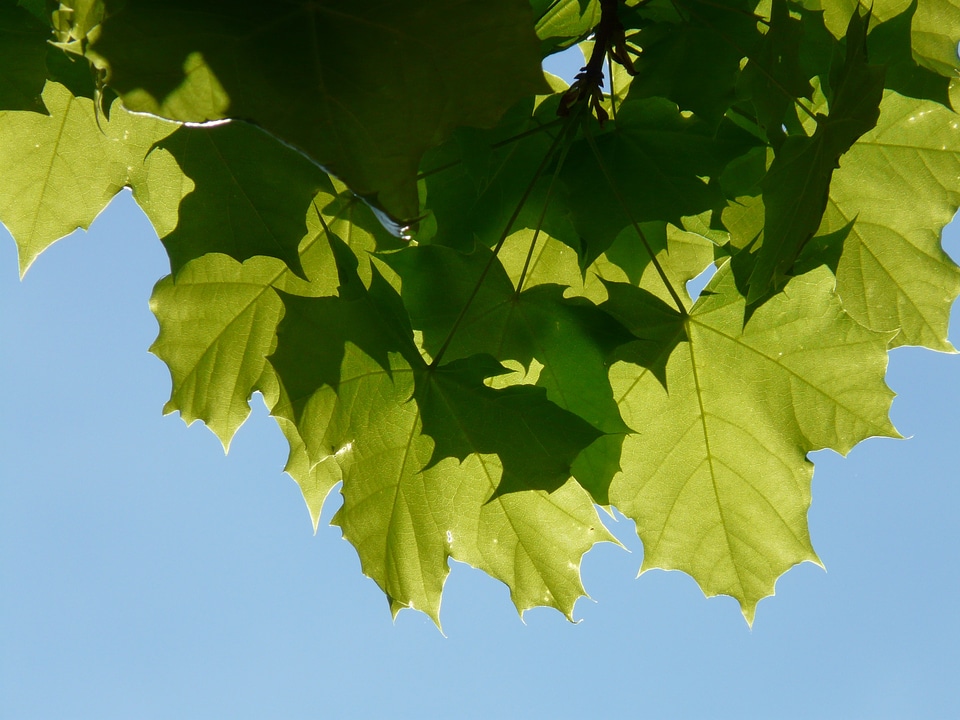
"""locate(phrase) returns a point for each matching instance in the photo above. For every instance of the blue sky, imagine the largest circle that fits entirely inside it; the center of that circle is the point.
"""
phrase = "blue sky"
(145, 575)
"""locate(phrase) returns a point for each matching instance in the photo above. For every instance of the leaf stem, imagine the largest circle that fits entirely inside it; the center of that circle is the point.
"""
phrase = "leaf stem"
(636, 226)
(613, 89)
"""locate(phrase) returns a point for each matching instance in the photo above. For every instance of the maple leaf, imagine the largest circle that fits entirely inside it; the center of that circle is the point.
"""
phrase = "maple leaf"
(237, 204)
(62, 169)
(898, 185)
(797, 184)
(396, 456)
(571, 339)
(717, 477)
(409, 71)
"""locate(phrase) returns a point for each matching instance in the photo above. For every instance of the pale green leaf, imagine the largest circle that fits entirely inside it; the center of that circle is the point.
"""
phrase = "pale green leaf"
(560, 23)
(356, 388)
(900, 184)
(716, 475)
(934, 28)
(405, 521)
(218, 319)
(58, 171)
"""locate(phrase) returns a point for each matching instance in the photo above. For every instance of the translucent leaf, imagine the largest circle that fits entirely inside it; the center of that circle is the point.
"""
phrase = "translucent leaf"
(218, 323)
(60, 170)
(717, 476)
(571, 338)
(361, 396)
(797, 184)
(561, 23)
(237, 205)
(899, 185)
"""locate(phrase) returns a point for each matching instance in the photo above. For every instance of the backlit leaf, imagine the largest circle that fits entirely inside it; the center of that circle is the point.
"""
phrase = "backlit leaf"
(899, 185)
(61, 169)
(717, 477)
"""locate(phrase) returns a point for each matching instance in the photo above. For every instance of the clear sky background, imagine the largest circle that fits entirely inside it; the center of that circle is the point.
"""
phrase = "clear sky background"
(145, 575)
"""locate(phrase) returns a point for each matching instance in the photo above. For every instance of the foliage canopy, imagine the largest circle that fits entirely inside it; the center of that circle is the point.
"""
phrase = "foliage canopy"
(460, 286)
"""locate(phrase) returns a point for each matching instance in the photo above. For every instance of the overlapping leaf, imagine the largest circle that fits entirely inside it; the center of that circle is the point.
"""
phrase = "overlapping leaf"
(218, 319)
(360, 394)
(694, 61)
(237, 206)
(654, 164)
(560, 23)
(570, 338)
(797, 184)
(933, 32)
(773, 78)
(716, 476)
(700, 429)
(364, 90)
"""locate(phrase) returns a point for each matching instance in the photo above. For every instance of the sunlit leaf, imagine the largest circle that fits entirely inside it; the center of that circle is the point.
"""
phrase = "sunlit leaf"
(716, 476)
(61, 169)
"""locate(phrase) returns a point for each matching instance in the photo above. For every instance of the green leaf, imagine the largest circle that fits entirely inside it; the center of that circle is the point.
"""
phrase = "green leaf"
(363, 90)
(933, 30)
(536, 440)
(476, 180)
(23, 57)
(405, 520)
(797, 185)
(37, 7)
(716, 476)
(773, 78)
(889, 45)
(570, 338)
(681, 253)
(237, 207)
(399, 489)
(60, 170)
(218, 319)
(658, 161)
(657, 327)
(218, 323)
(695, 63)
(561, 23)
(900, 184)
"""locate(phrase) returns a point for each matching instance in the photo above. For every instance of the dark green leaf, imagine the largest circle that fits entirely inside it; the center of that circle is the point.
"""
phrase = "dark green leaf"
(23, 55)
(536, 440)
(364, 90)
(773, 79)
(797, 185)
(658, 161)
(250, 196)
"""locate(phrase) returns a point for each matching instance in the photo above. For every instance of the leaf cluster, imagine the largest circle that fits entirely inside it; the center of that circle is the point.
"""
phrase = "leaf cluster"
(460, 285)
